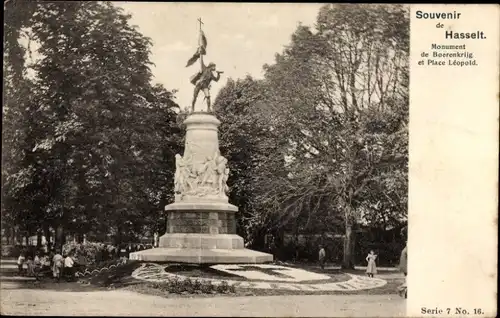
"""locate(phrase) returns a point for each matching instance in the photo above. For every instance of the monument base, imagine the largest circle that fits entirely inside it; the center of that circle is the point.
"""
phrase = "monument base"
(201, 223)
(201, 241)
(201, 256)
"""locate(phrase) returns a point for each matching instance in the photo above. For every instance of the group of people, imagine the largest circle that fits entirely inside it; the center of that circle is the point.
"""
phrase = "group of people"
(371, 268)
(42, 264)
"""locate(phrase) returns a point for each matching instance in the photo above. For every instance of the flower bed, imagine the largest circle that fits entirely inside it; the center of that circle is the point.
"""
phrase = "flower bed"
(191, 286)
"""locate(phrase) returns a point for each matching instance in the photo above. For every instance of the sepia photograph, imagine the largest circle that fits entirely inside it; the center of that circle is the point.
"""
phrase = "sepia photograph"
(205, 159)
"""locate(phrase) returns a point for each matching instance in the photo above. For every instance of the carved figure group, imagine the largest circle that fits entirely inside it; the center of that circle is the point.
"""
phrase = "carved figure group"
(199, 179)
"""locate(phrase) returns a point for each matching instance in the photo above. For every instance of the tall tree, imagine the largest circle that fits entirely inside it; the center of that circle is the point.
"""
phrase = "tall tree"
(16, 120)
(248, 141)
(103, 136)
(332, 90)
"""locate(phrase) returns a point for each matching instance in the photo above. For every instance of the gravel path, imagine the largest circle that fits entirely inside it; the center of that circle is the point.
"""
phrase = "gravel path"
(15, 301)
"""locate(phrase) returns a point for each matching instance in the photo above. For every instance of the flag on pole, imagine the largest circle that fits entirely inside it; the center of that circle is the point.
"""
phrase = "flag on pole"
(193, 59)
(202, 49)
(203, 42)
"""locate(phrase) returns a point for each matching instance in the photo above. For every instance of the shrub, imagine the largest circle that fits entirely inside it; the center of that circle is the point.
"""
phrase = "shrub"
(189, 286)
(207, 287)
(10, 251)
(223, 287)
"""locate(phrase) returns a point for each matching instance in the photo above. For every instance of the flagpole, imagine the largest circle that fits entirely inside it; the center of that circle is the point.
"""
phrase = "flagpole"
(199, 44)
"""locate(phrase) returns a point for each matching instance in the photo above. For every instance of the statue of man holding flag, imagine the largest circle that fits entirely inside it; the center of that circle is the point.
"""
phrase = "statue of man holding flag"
(205, 76)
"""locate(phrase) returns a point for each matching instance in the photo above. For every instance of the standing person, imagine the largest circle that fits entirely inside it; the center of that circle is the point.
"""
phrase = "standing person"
(155, 240)
(371, 269)
(99, 257)
(403, 266)
(68, 268)
(105, 253)
(129, 250)
(123, 252)
(57, 266)
(322, 257)
(20, 263)
(37, 262)
(273, 248)
(29, 263)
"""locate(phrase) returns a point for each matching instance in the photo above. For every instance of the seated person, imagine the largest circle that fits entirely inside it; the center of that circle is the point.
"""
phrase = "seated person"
(45, 265)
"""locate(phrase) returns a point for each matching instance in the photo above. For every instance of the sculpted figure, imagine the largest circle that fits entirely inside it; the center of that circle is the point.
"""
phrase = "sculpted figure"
(223, 188)
(201, 82)
(208, 171)
(191, 179)
(206, 75)
(183, 175)
(221, 170)
(179, 174)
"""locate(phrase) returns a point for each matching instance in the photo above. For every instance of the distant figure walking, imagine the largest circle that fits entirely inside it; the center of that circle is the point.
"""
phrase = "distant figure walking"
(322, 257)
(403, 266)
(371, 269)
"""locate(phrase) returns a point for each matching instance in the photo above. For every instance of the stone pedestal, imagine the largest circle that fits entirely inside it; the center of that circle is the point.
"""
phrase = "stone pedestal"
(201, 223)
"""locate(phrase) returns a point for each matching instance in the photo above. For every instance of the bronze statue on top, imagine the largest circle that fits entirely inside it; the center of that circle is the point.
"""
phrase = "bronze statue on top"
(205, 76)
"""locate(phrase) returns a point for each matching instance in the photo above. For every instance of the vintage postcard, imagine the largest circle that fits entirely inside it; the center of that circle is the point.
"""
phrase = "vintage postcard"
(249, 159)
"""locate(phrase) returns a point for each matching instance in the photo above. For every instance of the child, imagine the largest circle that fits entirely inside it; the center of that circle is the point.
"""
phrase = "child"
(57, 266)
(45, 265)
(20, 263)
(372, 267)
(37, 262)
(31, 265)
(68, 268)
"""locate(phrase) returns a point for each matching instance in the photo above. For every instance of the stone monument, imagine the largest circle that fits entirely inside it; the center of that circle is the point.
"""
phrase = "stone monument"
(201, 223)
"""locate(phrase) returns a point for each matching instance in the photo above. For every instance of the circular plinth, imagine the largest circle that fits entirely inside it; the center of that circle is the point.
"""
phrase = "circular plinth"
(201, 118)
(201, 256)
(201, 206)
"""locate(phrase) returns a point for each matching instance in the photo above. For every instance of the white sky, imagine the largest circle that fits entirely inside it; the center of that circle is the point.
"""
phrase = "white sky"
(241, 38)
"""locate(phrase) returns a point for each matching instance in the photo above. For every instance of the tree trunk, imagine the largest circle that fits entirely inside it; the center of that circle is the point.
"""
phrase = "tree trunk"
(46, 233)
(12, 236)
(38, 239)
(118, 237)
(17, 236)
(296, 242)
(348, 262)
(60, 238)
